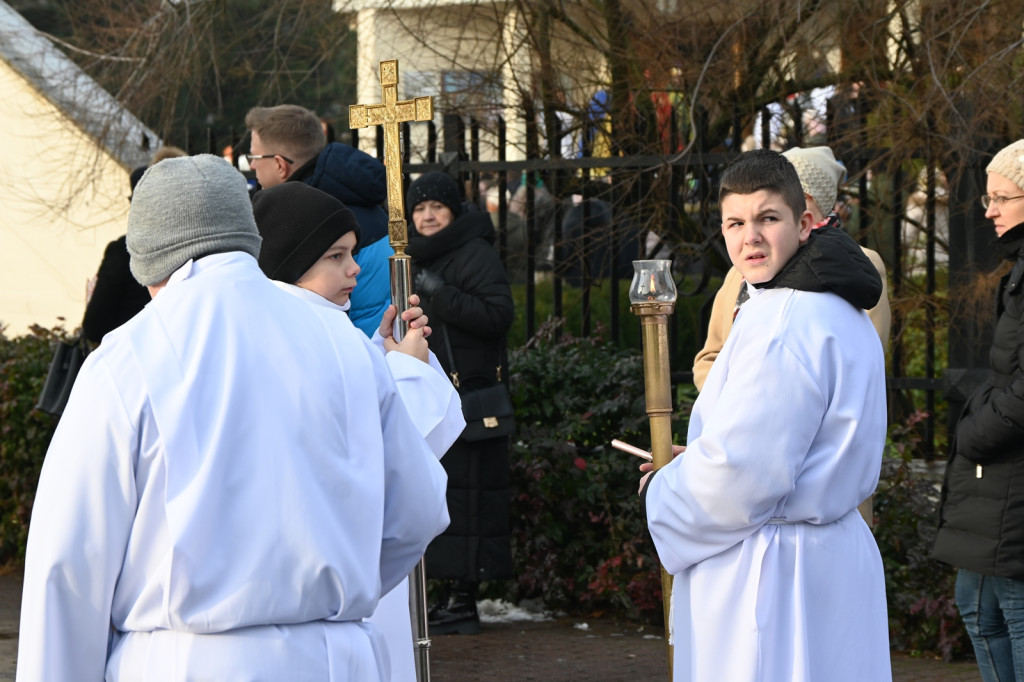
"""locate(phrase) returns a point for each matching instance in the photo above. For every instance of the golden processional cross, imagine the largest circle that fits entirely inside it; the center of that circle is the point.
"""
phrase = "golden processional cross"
(389, 115)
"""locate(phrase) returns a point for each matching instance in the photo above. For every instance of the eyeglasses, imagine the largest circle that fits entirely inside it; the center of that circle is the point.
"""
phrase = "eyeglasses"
(987, 201)
(252, 157)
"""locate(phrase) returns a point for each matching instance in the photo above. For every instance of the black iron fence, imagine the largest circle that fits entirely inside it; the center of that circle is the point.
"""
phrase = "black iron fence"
(568, 229)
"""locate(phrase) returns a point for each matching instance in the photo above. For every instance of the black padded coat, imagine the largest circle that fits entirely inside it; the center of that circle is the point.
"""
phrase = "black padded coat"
(474, 310)
(981, 513)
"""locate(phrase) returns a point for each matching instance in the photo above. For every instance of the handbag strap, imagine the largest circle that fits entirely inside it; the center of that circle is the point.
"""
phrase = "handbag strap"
(453, 371)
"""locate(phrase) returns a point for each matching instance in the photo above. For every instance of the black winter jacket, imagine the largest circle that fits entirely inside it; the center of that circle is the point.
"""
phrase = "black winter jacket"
(117, 296)
(981, 513)
(474, 309)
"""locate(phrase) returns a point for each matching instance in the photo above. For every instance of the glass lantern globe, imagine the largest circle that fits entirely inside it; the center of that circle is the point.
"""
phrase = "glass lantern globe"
(652, 282)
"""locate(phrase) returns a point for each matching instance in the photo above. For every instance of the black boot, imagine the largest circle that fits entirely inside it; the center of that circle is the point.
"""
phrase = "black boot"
(459, 615)
(443, 595)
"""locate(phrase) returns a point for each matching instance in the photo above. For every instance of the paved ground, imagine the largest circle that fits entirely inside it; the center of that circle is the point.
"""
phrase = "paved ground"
(554, 651)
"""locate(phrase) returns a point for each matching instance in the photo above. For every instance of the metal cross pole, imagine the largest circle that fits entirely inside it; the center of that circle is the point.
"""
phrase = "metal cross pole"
(389, 115)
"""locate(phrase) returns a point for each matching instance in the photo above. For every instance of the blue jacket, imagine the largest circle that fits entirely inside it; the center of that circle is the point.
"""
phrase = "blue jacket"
(359, 181)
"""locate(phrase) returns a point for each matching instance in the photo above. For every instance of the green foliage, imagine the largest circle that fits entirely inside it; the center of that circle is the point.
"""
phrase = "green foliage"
(579, 540)
(920, 590)
(24, 432)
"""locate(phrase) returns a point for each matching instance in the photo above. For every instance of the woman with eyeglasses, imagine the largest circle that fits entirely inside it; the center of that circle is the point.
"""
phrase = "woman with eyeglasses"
(981, 513)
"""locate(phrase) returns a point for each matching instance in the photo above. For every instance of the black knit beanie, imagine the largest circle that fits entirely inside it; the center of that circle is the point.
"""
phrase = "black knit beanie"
(298, 224)
(434, 186)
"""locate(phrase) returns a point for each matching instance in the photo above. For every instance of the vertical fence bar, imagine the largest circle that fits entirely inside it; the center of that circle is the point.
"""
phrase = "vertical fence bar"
(798, 123)
(502, 196)
(586, 245)
(631, 200)
(556, 188)
(474, 155)
(431, 142)
(530, 180)
(737, 129)
(581, 247)
(766, 128)
(896, 293)
(405, 146)
(929, 311)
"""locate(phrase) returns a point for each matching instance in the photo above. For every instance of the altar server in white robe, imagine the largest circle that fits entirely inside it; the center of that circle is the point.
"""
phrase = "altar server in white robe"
(309, 243)
(776, 575)
(235, 480)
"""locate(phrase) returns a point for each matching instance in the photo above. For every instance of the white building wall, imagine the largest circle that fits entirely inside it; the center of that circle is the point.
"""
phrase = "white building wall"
(433, 47)
(63, 200)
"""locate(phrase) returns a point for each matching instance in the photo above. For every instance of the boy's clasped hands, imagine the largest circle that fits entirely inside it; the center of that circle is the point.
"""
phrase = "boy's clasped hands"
(415, 341)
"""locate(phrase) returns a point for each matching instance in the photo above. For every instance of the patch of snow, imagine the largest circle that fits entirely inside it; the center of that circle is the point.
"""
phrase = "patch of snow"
(581, 626)
(500, 611)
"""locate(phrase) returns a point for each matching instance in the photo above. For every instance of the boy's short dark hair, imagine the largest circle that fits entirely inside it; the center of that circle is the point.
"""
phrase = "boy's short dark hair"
(764, 169)
(288, 129)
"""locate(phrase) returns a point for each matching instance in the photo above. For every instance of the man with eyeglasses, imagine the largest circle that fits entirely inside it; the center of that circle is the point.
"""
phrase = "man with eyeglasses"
(288, 145)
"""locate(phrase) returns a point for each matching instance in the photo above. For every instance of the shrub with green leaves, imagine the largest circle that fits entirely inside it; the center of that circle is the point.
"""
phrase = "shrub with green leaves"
(920, 591)
(580, 542)
(24, 432)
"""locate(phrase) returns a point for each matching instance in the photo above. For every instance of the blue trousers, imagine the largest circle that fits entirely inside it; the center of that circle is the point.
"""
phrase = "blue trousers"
(993, 612)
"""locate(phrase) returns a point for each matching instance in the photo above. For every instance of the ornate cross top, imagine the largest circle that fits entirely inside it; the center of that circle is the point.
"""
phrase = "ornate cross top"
(389, 115)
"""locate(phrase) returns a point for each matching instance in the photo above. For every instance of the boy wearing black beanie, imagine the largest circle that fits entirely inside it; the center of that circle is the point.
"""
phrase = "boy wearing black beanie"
(309, 238)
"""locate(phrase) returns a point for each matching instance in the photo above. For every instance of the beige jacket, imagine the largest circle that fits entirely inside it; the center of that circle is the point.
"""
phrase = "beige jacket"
(725, 302)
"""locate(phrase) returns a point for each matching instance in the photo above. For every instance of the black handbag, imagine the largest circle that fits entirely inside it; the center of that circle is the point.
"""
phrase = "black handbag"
(488, 411)
(68, 357)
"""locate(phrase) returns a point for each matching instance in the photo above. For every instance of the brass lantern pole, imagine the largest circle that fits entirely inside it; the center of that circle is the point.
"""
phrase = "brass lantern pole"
(652, 297)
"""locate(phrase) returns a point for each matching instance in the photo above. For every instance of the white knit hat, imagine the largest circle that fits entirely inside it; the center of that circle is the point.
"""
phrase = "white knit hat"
(188, 207)
(1009, 162)
(820, 174)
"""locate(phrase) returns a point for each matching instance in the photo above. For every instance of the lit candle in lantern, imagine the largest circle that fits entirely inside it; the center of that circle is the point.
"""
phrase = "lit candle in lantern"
(652, 282)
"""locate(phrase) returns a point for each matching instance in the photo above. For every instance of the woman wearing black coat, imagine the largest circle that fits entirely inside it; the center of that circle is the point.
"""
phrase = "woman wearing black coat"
(117, 297)
(464, 290)
(981, 515)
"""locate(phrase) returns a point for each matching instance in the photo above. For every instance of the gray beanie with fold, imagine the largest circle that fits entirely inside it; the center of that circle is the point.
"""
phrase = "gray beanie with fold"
(188, 207)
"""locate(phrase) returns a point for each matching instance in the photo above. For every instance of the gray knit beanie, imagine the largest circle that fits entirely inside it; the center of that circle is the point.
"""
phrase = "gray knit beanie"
(1009, 162)
(188, 207)
(819, 172)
